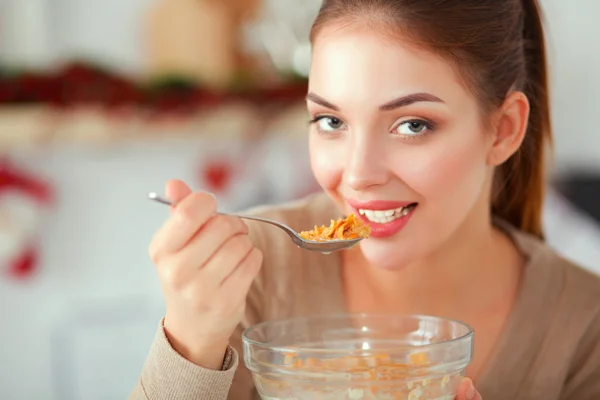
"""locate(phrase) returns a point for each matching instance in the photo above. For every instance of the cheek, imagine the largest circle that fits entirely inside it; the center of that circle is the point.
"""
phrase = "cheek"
(448, 180)
(450, 172)
(327, 163)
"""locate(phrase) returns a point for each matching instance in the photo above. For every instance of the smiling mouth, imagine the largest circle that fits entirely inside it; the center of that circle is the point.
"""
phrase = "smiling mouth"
(385, 216)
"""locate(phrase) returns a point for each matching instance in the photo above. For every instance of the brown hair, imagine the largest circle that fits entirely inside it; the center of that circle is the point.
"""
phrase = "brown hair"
(498, 46)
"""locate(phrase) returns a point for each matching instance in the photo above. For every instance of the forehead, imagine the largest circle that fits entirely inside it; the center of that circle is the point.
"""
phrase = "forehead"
(358, 62)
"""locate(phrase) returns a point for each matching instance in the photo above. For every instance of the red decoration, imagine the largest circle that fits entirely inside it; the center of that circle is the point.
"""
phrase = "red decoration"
(25, 264)
(13, 179)
(217, 175)
(19, 251)
(80, 83)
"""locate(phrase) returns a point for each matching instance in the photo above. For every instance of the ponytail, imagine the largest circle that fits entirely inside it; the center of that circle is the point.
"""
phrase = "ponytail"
(520, 182)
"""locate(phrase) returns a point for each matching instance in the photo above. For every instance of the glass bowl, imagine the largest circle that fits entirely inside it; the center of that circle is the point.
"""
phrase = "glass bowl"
(358, 356)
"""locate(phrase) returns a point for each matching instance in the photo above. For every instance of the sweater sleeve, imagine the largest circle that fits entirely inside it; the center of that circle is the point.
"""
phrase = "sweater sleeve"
(167, 375)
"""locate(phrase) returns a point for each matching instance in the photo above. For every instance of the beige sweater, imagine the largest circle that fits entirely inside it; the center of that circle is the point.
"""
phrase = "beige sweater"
(549, 350)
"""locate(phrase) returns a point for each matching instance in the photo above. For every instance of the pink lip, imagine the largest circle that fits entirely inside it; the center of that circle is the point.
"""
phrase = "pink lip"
(383, 230)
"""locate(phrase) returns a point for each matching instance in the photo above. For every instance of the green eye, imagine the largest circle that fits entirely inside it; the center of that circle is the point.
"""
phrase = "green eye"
(328, 124)
(412, 128)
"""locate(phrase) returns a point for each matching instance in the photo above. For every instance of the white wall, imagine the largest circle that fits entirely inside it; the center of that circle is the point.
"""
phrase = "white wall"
(41, 32)
(574, 45)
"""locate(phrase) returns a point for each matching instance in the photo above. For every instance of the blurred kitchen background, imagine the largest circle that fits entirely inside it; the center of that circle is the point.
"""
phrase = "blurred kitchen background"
(102, 102)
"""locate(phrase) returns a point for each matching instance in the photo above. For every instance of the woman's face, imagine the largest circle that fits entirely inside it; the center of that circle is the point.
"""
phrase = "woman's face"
(397, 139)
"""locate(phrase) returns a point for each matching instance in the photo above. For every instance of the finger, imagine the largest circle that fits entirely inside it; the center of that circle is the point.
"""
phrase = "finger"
(467, 391)
(189, 216)
(173, 274)
(177, 190)
(238, 283)
(210, 239)
(230, 255)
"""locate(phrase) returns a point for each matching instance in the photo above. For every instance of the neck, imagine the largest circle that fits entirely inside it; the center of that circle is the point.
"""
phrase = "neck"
(471, 265)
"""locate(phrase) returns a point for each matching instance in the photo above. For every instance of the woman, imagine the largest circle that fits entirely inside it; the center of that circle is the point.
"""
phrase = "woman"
(436, 107)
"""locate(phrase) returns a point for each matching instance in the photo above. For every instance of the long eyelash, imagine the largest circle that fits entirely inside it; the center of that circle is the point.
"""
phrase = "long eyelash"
(430, 125)
(317, 119)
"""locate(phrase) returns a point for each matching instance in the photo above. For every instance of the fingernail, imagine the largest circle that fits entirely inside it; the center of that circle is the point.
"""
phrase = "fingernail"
(470, 395)
(212, 194)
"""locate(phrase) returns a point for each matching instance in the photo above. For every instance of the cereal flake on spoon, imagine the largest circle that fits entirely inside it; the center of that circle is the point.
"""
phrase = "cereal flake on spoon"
(342, 229)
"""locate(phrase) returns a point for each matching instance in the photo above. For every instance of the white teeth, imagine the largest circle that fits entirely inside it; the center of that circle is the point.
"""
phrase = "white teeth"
(385, 216)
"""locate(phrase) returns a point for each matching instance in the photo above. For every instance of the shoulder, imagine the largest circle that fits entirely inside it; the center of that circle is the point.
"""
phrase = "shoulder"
(569, 296)
(579, 294)
(575, 285)
(575, 289)
(580, 310)
(579, 307)
(558, 314)
(563, 277)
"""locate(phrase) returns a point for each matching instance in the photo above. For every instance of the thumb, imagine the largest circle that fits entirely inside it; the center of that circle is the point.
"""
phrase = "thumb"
(177, 190)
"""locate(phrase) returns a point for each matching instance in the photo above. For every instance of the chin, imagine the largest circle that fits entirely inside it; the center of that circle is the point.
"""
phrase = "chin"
(387, 254)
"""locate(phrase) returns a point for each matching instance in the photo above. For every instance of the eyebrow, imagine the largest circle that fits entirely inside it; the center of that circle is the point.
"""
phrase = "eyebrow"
(392, 105)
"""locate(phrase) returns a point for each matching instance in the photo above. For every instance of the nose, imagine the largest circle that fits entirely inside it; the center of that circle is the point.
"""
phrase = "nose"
(366, 164)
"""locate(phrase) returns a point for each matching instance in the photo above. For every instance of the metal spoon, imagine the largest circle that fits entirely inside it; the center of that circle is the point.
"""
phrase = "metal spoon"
(325, 247)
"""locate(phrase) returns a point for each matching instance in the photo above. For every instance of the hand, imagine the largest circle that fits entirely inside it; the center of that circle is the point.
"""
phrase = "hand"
(467, 391)
(206, 264)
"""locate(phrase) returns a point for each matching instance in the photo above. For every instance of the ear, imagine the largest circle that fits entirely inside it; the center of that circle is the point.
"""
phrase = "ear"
(509, 128)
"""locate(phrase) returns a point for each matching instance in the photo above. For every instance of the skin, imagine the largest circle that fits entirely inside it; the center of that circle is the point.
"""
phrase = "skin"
(449, 259)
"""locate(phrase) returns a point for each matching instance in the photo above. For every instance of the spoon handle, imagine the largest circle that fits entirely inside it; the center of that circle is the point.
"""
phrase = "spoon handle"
(287, 229)
(160, 199)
